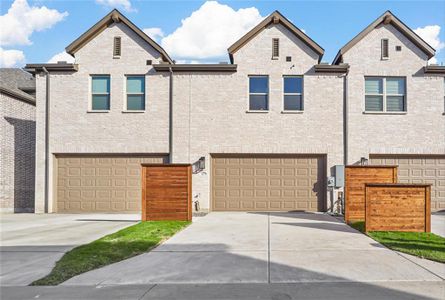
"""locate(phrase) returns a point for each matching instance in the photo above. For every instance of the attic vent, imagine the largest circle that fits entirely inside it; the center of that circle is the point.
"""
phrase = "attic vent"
(385, 53)
(117, 47)
(275, 48)
(398, 48)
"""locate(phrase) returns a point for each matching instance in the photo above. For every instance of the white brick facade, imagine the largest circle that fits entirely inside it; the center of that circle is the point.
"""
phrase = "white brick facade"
(210, 108)
(422, 129)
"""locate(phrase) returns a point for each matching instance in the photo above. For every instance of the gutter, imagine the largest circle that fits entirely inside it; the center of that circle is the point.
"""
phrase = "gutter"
(345, 118)
(46, 139)
(170, 117)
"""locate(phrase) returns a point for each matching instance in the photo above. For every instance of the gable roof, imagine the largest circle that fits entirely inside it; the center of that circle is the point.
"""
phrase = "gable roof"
(18, 84)
(276, 17)
(387, 18)
(113, 17)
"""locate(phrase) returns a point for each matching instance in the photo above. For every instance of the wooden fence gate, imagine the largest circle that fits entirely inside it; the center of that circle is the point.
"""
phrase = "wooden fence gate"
(355, 179)
(398, 207)
(166, 192)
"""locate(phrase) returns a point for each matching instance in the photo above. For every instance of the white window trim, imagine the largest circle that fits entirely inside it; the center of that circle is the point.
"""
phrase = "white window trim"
(249, 93)
(125, 109)
(384, 94)
(284, 111)
(90, 94)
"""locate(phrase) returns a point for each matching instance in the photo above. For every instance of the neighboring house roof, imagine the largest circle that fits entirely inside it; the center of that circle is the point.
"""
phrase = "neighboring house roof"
(434, 69)
(113, 17)
(387, 18)
(18, 84)
(276, 17)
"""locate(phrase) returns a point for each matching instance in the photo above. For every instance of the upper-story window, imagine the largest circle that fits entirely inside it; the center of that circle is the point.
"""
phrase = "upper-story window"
(258, 92)
(385, 48)
(100, 92)
(135, 92)
(117, 47)
(275, 48)
(293, 93)
(385, 94)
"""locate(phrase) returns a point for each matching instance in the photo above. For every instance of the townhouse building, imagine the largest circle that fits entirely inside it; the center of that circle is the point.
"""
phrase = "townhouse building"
(268, 128)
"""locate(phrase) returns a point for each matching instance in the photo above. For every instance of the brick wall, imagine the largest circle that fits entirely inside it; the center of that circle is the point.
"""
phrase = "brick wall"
(17, 160)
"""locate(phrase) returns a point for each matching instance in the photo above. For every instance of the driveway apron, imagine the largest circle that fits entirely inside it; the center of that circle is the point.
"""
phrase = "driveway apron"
(266, 247)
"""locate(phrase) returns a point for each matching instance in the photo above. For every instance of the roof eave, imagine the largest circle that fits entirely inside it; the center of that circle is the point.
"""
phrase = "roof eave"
(11, 93)
(114, 16)
(230, 68)
(390, 18)
(51, 67)
(439, 70)
(276, 15)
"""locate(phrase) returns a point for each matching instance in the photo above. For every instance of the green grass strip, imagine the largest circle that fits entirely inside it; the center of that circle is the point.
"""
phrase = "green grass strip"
(112, 248)
(421, 244)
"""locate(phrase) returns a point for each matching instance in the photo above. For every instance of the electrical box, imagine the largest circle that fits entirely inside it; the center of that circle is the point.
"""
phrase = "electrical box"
(331, 181)
(339, 171)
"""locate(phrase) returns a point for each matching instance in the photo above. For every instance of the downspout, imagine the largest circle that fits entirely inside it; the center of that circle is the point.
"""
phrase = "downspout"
(170, 118)
(345, 118)
(46, 140)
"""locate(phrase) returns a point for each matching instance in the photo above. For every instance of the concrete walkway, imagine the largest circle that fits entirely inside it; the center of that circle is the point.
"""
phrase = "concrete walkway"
(32, 243)
(262, 248)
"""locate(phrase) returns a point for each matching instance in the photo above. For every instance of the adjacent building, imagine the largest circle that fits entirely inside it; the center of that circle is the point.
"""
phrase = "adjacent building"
(17, 140)
(270, 125)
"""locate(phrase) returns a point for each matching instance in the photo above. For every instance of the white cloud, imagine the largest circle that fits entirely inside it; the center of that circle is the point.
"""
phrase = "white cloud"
(21, 21)
(62, 56)
(209, 31)
(155, 33)
(430, 34)
(11, 58)
(125, 4)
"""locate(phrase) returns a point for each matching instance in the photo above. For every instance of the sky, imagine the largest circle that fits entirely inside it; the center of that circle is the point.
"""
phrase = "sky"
(37, 31)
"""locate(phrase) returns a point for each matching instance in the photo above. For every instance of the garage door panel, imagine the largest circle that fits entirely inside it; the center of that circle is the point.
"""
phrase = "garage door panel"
(424, 169)
(102, 184)
(268, 183)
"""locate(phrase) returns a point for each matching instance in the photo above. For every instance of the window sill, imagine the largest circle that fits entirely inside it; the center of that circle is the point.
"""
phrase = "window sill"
(116, 57)
(385, 113)
(98, 111)
(257, 111)
(275, 57)
(133, 111)
(292, 111)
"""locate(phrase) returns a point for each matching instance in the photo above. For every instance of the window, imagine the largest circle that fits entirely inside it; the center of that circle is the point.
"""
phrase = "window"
(293, 93)
(117, 46)
(100, 92)
(385, 49)
(135, 93)
(385, 94)
(258, 93)
(275, 48)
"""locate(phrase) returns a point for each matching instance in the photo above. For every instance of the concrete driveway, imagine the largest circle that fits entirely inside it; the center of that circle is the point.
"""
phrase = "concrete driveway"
(234, 248)
(32, 243)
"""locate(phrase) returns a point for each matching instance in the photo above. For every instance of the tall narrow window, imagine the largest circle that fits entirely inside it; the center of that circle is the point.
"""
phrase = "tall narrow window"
(385, 49)
(385, 94)
(100, 88)
(293, 93)
(275, 48)
(258, 93)
(117, 46)
(135, 93)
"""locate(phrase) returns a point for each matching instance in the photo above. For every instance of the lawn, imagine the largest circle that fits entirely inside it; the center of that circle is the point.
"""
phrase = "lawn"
(112, 248)
(421, 244)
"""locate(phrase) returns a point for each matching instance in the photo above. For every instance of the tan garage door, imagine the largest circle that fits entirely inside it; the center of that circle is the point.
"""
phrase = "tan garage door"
(268, 183)
(419, 169)
(100, 183)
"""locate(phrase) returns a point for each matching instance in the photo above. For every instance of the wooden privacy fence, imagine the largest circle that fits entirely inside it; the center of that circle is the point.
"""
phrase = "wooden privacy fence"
(355, 179)
(166, 192)
(398, 207)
